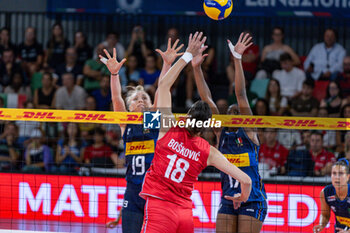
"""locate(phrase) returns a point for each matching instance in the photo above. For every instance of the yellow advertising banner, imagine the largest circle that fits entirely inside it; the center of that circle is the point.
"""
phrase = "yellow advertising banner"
(7, 114)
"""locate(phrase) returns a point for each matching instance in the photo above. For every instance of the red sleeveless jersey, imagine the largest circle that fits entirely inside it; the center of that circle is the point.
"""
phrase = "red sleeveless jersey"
(178, 160)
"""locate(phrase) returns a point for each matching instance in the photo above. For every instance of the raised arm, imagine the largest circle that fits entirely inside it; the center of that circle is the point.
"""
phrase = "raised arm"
(164, 100)
(114, 66)
(168, 57)
(218, 160)
(203, 89)
(237, 51)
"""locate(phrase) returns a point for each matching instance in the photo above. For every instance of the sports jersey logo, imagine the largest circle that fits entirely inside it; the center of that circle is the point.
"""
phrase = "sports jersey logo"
(151, 120)
(333, 208)
(240, 160)
(343, 221)
(140, 147)
(331, 198)
(239, 142)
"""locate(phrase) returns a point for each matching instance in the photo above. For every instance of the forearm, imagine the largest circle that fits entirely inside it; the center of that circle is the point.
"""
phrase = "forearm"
(240, 90)
(5, 158)
(324, 219)
(144, 50)
(13, 155)
(203, 89)
(165, 69)
(130, 48)
(169, 79)
(116, 91)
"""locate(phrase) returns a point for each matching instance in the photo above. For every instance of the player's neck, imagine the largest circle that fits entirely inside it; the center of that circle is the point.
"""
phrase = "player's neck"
(342, 192)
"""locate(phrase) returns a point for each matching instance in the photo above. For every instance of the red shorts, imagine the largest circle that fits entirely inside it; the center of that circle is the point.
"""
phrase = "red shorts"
(166, 217)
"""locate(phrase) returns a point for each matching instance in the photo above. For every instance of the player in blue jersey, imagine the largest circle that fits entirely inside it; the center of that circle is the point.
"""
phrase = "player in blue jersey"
(139, 144)
(241, 147)
(336, 197)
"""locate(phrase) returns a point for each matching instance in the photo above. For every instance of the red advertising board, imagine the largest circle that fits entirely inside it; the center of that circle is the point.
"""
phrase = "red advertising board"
(292, 208)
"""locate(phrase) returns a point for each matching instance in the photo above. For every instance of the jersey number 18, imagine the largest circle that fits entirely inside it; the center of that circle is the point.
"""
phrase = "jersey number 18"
(178, 174)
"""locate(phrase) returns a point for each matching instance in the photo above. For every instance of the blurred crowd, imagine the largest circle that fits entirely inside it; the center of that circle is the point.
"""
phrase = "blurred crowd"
(64, 74)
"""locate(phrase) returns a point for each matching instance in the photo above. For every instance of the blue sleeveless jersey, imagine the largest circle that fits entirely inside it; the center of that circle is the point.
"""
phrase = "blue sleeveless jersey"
(340, 208)
(139, 145)
(242, 152)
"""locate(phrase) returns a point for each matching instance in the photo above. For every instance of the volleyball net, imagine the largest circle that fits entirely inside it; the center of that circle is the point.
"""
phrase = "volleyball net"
(65, 170)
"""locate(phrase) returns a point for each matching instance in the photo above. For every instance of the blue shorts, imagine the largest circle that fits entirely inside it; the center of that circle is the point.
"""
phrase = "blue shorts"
(132, 201)
(256, 209)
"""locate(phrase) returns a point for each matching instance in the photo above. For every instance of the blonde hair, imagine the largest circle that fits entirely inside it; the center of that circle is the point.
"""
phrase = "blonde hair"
(132, 91)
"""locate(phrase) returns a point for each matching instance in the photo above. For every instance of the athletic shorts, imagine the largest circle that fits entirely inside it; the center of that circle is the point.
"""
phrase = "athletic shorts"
(256, 210)
(166, 217)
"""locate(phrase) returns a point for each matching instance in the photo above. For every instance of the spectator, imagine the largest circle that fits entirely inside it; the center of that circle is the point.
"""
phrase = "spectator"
(70, 65)
(333, 100)
(150, 74)
(271, 54)
(83, 49)
(277, 103)
(17, 86)
(329, 136)
(9, 153)
(173, 34)
(112, 41)
(9, 129)
(272, 152)
(139, 46)
(129, 74)
(222, 105)
(344, 113)
(56, 47)
(305, 104)
(116, 145)
(290, 78)
(38, 157)
(70, 96)
(323, 159)
(70, 151)
(99, 154)
(103, 95)
(87, 128)
(345, 153)
(344, 77)
(325, 59)
(44, 97)
(5, 41)
(299, 163)
(8, 67)
(93, 71)
(31, 52)
(261, 108)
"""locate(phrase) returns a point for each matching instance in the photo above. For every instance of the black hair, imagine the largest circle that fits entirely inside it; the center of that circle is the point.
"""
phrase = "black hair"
(200, 111)
(309, 82)
(266, 105)
(116, 34)
(99, 131)
(343, 162)
(342, 111)
(317, 132)
(335, 32)
(339, 88)
(285, 57)
(278, 28)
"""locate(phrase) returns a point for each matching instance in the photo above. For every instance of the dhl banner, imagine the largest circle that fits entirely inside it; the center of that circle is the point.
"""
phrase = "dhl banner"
(137, 118)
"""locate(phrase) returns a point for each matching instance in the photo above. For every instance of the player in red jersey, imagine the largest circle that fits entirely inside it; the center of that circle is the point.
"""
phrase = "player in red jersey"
(179, 158)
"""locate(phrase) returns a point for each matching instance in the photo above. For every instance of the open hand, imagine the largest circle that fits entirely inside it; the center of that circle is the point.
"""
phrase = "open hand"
(112, 224)
(243, 43)
(171, 53)
(199, 59)
(196, 44)
(112, 64)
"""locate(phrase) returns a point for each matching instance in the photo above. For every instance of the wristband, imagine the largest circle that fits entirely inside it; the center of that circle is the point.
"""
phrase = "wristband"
(187, 57)
(115, 74)
(233, 52)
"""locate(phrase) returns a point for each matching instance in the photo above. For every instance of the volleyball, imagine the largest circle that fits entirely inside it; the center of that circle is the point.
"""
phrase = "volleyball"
(217, 9)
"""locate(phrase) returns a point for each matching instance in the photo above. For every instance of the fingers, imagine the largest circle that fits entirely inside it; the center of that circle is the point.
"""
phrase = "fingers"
(205, 55)
(203, 49)
(169, 43)
(103, 59)
(245, 38)
(122, 62)
(179, 54)
(107, 53)
(190, 38)
(240, 37)
(114, 53)
(175, 44)
(195, 36)
(159, 51)
(250, 44)
(179, 48)
(204, 40)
